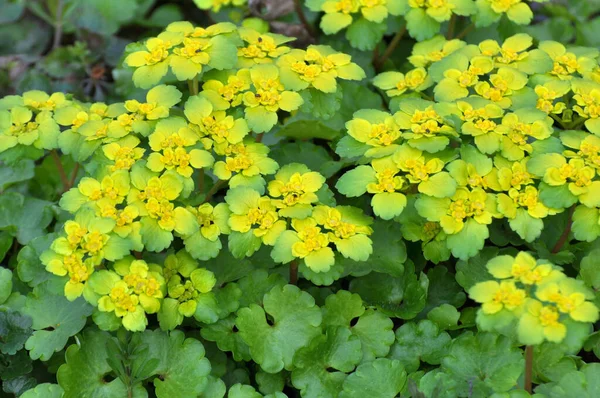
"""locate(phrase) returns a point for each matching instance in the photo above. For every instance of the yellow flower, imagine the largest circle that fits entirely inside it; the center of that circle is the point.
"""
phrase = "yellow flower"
(224, 95)
(494, 296)
(527, 198)
(513, 50)
(501, 86)
(569, 296)
(312, 245)
(349, 230)
(74, 266)
(123, 153)
(435, 49)
(260, 48)
(143, 280)
(268, 97)
(297, 187)
(396, 83)
(587, 148)
(540, 323)
(567, 63)
(523, 268)
(251, 212)
(588, 105)
(378, 130)
(244, 162)
(467, 204)
(548, 93)
(113, 188)
(317, 67)
(170, 142)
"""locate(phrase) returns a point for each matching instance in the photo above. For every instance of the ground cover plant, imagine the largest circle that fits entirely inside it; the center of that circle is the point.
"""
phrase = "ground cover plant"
(329, 198)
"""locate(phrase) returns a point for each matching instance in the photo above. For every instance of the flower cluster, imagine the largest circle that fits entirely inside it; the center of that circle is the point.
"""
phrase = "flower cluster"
(148, 159)
(509, 132)
(536, 297)
(423, 17)
(353, 14)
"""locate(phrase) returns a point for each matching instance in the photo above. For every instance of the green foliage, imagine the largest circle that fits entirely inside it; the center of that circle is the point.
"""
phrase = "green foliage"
(328, 198)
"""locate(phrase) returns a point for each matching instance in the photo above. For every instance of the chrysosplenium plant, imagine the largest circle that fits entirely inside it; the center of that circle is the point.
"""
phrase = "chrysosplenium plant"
(194, 211)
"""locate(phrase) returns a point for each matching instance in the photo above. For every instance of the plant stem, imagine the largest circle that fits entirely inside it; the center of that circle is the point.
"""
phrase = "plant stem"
(451, 26)
(61, 169)
(565, 235)
(215, 188)
(193, 86)
(73, 175)
(294, 272)
(259, 137)
(465, 31)
(390, 49)
(200, 180)
(58, 24)
(300, 12)
(528, 368)
(559, 121)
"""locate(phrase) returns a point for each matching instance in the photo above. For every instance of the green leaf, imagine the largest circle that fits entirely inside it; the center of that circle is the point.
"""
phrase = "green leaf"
(583, 383)
(12, 366)
(22, 170)
(401, 297)
(365, 35)
(483, 364)
(29, 266)
(417, 342)
(380, 378)
(341, 308)
(18, 385)
(590, 269)
(389, 252)
(295, 321)
(270, 383)
(354, 182)
(228, 339)
(314, 156)
(55, 319)
(5, 284)
(87, 372)
(469, 241)
(243, 244)
(27, 217)
(307, 129)
(322, 106)
(445, 316)
(473, 270)
(443, 289)
(182, 367)
(319, 367)
(256, 284)
(550, 362)
(527, 227)
(15, 329)
(44, 390)
(376, 334)
(11, 10)
(104, 16)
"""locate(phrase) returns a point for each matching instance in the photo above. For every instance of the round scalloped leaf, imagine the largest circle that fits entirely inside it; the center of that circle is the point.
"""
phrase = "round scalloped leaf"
(380, 378)
(293, 321)
(87, 372)
(320, 367)
(15, 329)
(417, 342)
(55, 319)
(483, 364)
(227, 338)
(44, 390)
